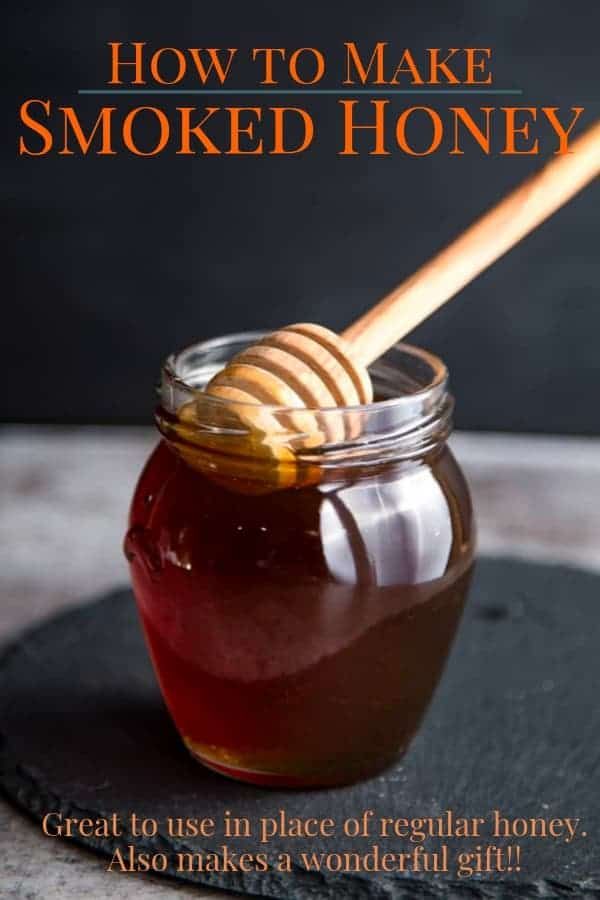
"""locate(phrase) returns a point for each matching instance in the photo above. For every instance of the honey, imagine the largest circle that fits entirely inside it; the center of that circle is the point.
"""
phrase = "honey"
(298, 632)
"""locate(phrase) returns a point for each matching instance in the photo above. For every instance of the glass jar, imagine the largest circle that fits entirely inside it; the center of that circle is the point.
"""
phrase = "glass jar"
(299, 597)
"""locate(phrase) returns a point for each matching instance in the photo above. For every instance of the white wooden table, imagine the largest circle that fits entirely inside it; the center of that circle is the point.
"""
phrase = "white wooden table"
(64, 495)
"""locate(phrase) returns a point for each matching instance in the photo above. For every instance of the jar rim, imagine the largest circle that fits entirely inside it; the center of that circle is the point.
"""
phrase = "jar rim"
(412, 416)
(196, 379)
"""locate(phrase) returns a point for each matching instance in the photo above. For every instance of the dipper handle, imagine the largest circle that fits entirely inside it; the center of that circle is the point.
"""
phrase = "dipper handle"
(488, 238)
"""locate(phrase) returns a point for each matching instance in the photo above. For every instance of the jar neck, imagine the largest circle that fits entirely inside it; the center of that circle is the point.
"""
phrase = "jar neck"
(410, 420)
(410, 440)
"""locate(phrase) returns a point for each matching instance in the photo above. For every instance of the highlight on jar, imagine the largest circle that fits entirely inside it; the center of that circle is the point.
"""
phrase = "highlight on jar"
(301, 540)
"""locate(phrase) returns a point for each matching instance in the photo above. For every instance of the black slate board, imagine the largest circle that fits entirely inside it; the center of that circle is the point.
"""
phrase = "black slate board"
(515, 725)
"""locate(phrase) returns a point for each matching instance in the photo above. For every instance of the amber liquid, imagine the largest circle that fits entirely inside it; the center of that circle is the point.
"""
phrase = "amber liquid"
(299, 634)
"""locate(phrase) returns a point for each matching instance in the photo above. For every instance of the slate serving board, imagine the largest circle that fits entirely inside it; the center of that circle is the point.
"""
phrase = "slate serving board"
(514, 725)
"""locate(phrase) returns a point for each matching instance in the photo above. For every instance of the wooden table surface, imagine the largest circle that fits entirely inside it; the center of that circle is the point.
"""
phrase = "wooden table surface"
(64, 494)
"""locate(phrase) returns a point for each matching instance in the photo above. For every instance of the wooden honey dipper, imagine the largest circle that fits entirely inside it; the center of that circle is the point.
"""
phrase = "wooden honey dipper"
(307, 365)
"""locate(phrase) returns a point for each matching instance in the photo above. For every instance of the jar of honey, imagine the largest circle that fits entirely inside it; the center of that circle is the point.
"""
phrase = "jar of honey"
(300, 575)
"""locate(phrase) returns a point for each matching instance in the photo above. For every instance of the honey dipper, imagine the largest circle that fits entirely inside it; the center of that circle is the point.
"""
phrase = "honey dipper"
(307, 365)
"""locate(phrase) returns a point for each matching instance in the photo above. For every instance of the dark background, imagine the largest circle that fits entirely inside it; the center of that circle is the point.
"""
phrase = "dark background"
(114, 262)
